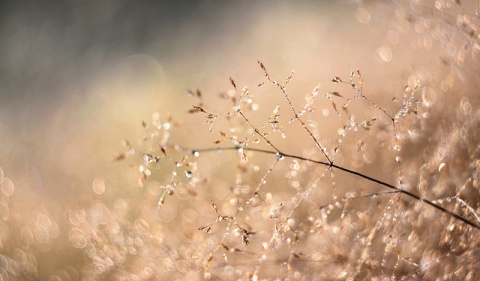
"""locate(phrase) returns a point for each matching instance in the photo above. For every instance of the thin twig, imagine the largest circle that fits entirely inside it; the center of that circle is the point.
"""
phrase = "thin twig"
(358, 174)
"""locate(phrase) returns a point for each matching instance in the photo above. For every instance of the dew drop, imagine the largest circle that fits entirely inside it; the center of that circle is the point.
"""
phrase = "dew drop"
(138, 241)
(385, 53)
(429, 96)
(132, 250)
(466, 106)
(7, 187)
(77, 238)
(312, 123)
(195, 153)
(362, 15)
(167, 126)
(441, 167)
(98, 186)
(27, 235)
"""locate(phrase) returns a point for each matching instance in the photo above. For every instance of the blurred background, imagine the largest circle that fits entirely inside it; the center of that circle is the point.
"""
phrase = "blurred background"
(78, 77)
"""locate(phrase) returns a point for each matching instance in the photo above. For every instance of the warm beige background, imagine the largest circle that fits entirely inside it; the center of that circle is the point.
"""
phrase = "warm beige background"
(77, 77)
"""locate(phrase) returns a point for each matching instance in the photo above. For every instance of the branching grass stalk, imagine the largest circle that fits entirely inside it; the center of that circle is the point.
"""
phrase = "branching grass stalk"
(295, 114)
(279, 153)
